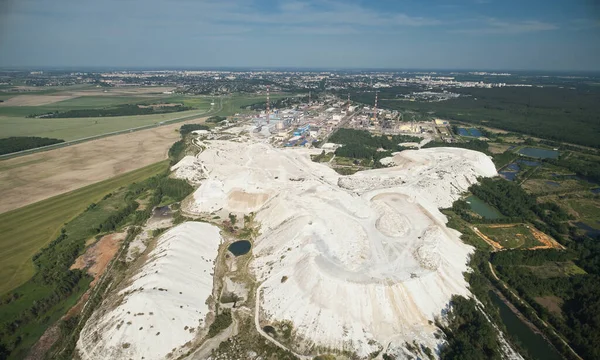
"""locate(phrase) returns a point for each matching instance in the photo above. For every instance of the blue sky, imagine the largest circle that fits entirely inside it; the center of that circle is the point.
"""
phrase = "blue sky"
(468, 34)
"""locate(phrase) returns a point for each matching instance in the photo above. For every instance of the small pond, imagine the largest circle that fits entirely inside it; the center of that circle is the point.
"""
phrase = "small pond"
(539, 153)
(162, 212)
(240, 247)
(552, 183)
(595, 191)
(511, 170)
(481, 208)
(469, 132)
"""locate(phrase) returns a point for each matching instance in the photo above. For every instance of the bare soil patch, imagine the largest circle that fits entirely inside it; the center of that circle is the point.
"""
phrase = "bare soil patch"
(547, 240)
(498, 148)
(246, 202)
(41, 347)
(552, 303)
(488, 240)
(96, 257)
(31, 178)
(35, 100)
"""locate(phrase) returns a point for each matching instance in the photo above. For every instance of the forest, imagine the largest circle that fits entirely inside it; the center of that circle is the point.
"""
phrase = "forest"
(121, 110)
(469, 334)
(509, 198)
(560, 114)
(188, 128)
(360, 144)
(20, 143)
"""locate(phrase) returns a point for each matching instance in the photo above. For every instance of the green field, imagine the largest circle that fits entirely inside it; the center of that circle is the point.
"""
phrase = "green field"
(26, 230)
(78, 128)
(79, 103)
(518, 236)
(233, 104)
(14, 121)
(553, 269)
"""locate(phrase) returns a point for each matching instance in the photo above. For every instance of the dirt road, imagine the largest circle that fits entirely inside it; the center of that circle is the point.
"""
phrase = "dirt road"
(28, 179)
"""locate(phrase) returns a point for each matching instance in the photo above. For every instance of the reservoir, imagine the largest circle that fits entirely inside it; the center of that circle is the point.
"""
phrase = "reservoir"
(469, 132)
(240, 247)
(539, 153)
(535, 345)
(481, 208)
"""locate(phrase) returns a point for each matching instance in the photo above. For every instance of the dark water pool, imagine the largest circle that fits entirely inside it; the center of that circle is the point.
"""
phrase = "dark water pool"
(589, 231)
(161, 212)
(469, 132)
(539, 153)
(535, 345)
(480, 207)
(510, 171)
(240, 247)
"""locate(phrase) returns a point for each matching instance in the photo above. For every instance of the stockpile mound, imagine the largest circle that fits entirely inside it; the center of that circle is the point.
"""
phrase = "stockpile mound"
(361, 263)
(164, 306)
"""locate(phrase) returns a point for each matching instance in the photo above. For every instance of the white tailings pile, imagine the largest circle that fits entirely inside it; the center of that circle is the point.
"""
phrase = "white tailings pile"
(165, 303)
(368, 260)
(189, 169)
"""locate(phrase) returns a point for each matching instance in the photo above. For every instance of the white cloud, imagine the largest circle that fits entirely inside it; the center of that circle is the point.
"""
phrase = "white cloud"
(495, 26)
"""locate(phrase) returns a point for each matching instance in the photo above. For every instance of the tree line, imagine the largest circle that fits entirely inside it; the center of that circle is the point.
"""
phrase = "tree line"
(121, 110)
(188, 128)
(19, 143)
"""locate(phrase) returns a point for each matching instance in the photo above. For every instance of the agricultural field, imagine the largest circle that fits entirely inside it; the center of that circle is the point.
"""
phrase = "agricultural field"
(14, 120)
(26, 230)
(31, 178)
(16, 108)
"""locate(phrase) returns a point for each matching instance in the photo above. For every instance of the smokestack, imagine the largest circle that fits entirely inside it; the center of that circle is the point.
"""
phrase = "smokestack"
(268, 106)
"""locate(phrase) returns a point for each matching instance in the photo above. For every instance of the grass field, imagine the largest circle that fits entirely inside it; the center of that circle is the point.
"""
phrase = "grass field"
(77, 128)
(26, 230)
(13, 120)
(512, 237)
(233, 104)
(555, 269)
